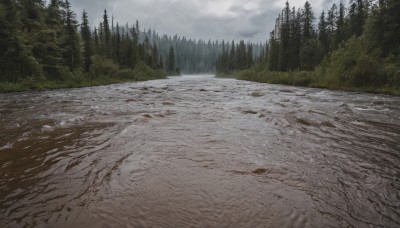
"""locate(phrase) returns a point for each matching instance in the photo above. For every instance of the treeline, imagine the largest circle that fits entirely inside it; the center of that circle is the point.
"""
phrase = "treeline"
(357, 45)
(295, 44)
(192, 56)
(237, 57)
(45, 41)
(40, 41)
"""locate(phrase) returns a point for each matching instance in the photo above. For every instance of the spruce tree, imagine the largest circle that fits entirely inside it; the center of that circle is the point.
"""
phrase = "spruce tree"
(71, 47)
(171, 67)
(87, 42)
(323, 33)
(106, 35)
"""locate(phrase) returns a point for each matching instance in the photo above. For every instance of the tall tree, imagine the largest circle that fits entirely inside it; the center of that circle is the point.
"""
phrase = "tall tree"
(323, 33)
(87, 41)
(340, 34)
(383, 29)
(171, 67)
(284, 53)
(331, 26)
(72, 48)
(16, 60)
(308, 17)
(106, 35)
(50, 41)
(154, 57)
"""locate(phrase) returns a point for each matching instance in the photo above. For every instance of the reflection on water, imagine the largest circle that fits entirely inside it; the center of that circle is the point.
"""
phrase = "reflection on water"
(199, 152)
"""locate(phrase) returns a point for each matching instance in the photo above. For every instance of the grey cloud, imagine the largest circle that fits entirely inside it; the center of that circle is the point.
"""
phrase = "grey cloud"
(198, 19)
(248, 34)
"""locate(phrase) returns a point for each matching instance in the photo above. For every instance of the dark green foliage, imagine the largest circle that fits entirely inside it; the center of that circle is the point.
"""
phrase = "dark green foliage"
(323, 35)
(239, 57)
(87, 42)
(41, 45)
(357, 51)
(383, 28)
(72, 44)
(171, 67)
(106, 36)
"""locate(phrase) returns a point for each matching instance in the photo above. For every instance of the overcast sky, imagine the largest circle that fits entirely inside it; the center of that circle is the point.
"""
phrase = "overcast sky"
(200, 19)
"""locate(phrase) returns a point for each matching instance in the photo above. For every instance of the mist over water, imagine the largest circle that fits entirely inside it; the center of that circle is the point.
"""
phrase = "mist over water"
(195, 151)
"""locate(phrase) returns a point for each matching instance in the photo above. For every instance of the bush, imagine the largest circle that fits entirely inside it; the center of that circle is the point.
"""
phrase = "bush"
(352, 66)
(103, 67)
(126, 74)
(144, 72)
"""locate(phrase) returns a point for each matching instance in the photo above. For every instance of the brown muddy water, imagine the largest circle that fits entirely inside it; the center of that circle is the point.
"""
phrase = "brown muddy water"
(196, 151)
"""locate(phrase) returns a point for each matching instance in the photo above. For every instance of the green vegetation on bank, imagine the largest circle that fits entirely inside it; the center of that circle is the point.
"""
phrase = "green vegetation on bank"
(357, 51)
(99, 76)
(42, 46)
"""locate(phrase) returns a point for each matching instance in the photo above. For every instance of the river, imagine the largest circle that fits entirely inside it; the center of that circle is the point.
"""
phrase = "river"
(196, 151)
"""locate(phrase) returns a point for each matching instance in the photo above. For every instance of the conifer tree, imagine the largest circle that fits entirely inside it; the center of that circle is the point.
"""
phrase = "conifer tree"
(72, 48)
(87, 41)
(171, 67)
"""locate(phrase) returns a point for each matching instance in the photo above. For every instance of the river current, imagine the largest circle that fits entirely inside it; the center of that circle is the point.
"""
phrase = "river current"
(196, 151)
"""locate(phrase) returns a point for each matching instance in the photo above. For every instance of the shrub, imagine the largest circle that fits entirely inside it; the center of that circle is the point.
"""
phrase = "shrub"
(126, 74)
(101, 66)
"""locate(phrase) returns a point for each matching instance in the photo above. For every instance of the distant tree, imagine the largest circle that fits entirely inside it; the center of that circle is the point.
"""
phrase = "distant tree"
(161, 63)
(232, 57)
(171, 67)
(154, 57)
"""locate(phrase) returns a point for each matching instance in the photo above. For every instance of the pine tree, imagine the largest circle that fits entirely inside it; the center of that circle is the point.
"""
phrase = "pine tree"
(106, 36)
(273, 52)
(340, 34)
(295, 39)
(232, 57)
(284, 53)
(49, 43)
(72, 49)
(331, 26)
(382, 29)
(308, 17)
(87, 41)
(16, 60)
(161, 63)
(154, 57)
(171, 67)
(117, 46)
(323, 33)
(249, 60)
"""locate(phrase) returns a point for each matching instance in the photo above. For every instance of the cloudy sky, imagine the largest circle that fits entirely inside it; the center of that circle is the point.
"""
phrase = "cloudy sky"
(199, 19)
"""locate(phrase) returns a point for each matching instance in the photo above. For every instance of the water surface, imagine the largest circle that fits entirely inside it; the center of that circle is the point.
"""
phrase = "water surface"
(197, 151)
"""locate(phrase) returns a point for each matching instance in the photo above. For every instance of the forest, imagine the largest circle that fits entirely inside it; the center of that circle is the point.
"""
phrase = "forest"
(351, 47)
(47, 46)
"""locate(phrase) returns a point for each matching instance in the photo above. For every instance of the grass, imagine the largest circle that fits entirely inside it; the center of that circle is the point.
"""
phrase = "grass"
(79, 80)
(309, 79)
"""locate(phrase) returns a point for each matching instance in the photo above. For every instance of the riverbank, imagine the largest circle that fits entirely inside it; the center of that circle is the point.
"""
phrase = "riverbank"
(80, 80)
(307, 79)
